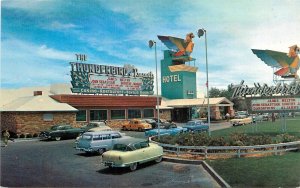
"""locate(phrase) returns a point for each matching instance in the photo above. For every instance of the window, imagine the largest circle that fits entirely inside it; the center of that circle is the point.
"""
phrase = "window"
(144, 144)
(81, 115)
(48, 117)
(137, 146)
(117, 114)
(98, 115)
(134, 113)
(86, 137)
(148, 113)
(115, 135)
(105, 137)
(97, 137)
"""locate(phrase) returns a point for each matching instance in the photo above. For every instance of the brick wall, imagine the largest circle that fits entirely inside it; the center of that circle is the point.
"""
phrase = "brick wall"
(165, 114)
(32, 122)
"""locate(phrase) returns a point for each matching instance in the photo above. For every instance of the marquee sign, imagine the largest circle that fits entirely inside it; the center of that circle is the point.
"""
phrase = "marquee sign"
(275, 104)
(103, 79)
(242, 90)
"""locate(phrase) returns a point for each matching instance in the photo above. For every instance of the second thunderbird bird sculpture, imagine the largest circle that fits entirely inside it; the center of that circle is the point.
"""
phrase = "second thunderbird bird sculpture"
(287, 64)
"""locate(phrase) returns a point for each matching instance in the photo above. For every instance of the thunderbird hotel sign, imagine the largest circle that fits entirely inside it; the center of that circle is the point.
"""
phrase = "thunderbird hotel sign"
(103, 79)
(242, 90)
(288, 103)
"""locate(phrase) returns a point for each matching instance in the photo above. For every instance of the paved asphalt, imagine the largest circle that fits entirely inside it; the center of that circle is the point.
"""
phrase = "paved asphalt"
(57, 164)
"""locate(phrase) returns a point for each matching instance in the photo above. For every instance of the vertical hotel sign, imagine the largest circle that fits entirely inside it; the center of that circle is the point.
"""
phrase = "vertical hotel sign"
(103, 79)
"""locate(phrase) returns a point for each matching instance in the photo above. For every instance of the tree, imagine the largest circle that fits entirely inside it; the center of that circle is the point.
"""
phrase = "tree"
(239, 103)
(214, 92)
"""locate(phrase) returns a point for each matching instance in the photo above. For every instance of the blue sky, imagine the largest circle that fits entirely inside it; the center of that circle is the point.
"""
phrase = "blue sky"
(39, 38)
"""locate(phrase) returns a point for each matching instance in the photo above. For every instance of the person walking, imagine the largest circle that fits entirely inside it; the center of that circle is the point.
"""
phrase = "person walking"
(6, 136)
(227, 116)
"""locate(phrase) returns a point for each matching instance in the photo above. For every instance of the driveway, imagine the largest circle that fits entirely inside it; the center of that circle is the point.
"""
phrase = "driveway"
(58, 164)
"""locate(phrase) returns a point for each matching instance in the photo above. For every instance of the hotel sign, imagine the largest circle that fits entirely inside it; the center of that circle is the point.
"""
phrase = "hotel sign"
(275, 104)
(103, 79)
(242, 90)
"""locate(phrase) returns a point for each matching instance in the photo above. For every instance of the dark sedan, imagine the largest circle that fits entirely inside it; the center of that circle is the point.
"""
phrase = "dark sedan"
(162, 123)
(58, 132)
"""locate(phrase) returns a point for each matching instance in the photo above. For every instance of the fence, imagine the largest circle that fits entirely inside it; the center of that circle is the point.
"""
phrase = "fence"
(238, 151)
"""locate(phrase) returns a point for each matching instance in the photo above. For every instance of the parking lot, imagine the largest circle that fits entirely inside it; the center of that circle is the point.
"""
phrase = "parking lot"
(57, 164)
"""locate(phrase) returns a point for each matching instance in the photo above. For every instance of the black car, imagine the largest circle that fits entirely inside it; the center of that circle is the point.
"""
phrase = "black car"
(162, 123)
(58, 132)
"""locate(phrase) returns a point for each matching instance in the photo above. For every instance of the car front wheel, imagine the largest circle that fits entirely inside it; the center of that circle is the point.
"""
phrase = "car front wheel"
(133, 166)
(158, 160)
(101, 151)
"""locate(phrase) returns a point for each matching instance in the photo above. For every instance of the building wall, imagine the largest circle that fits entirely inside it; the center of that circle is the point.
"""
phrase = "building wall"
(165, 114)
(33, 122)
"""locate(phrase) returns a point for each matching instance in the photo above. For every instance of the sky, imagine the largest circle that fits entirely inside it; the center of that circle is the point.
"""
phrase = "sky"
(40, 37)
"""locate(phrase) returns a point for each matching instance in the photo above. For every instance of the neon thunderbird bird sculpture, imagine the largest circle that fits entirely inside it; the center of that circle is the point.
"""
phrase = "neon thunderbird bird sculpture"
(288, 64)
(182, 48)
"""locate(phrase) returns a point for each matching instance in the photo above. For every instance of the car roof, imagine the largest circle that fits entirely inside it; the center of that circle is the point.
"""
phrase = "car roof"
(195, 120)
(101, 132)
(130, 140)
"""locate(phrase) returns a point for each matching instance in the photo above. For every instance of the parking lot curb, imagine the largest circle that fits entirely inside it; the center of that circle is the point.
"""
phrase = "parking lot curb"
(208, 168)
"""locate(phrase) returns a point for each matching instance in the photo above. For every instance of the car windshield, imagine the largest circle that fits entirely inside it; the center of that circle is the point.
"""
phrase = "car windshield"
(86, 137)
(54, 128)
(143, 121)
(191, 123)
(121, 147)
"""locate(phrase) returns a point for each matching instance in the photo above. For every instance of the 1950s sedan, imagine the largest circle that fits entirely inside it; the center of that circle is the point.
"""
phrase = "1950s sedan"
(58, 132)
(132, 152)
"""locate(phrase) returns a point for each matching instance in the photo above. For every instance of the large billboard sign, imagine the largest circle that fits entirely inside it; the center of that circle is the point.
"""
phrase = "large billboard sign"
(103, 79)
(275, 104)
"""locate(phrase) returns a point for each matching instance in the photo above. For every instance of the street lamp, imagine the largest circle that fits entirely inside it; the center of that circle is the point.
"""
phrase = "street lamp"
(202, 32)
(151, 43)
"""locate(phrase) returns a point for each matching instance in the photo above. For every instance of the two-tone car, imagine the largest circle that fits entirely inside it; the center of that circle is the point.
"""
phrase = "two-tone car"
(170, 129)
(132, 152)
(196, 126)
(242, 121)
(96, 126)
(98, 142)
(58, 132)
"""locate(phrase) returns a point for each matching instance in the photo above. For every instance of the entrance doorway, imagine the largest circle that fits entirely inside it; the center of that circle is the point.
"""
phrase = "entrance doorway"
(181, 114)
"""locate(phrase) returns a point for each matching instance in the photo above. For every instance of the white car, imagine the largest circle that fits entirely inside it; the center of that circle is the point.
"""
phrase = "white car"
(132, 152)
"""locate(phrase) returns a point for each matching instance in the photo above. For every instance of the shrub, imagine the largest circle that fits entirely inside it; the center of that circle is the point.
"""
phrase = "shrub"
(35, 135)
(282, 138)
(29, 135)
(22, 135)
(260, 140)
(218, 141)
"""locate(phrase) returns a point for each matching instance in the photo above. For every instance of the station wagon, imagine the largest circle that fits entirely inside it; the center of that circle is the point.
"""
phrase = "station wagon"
(98, 142)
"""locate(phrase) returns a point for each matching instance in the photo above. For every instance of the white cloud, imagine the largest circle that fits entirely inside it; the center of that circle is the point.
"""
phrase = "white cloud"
(36, 6)
(50, 53)
(26, 64)
(61, 26)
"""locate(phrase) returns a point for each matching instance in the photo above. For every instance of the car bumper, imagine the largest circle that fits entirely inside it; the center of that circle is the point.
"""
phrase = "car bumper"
(112, 164)
(44, 137)
(85, 149)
